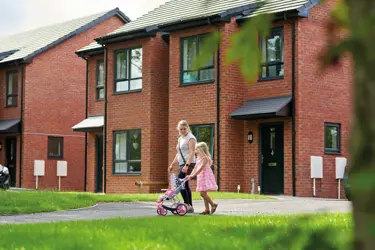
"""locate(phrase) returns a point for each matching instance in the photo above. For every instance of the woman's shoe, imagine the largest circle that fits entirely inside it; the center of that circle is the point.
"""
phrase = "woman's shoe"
(213, 208)
(205, 212)
(190, 209)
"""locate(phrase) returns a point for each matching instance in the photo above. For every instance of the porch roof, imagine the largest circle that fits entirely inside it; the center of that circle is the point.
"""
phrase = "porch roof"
(91, 124)
(263, 108)
(10, 126)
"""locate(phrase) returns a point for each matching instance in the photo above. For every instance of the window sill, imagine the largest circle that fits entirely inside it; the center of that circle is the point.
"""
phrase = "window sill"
(270, 78)
(11, 106)
(54, 158)
(332, 153)
(99, 100)
(127, 92)
(127, 174)
(196, 83)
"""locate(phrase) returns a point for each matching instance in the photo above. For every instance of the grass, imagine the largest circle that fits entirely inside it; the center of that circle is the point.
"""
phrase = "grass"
(43, 201)
(327, 231)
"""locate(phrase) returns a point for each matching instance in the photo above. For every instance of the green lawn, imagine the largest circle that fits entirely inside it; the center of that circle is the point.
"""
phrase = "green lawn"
(330, 231)
(13, 202)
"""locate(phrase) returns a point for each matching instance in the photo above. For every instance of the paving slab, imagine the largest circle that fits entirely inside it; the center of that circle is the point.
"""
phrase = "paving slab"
(281, 205)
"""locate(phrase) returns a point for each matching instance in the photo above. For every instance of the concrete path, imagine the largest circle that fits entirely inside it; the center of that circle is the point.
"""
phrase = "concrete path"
(283, 205)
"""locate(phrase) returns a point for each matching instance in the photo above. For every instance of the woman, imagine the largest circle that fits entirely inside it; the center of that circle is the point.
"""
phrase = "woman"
(186, 158)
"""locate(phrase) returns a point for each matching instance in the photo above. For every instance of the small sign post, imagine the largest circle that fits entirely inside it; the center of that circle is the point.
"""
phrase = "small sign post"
(62, 170)
(316, 170)
(340, 169)
(38, 170)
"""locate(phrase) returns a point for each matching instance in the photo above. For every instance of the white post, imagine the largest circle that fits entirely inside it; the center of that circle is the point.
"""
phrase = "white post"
(314, 192)
(238, 188)
(36, 183)
(59, 183)
(339, 189)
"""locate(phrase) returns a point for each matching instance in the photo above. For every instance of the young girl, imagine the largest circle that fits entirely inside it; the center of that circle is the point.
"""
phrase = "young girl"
(205, 177)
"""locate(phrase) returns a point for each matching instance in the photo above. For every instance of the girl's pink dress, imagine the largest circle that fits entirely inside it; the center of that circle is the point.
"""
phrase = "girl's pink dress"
(205, 179)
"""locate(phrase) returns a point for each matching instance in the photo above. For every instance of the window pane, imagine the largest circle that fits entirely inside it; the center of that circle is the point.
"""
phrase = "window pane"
(189, 52)
(55, 147)
(274, 48)
(134, 166)
(100, 81)
(273, 71)
(136, 63)
(120, 146)
(207, 74)
(136, 84)
(121, 65)
(135, 145)
(12, 84)
(264, 51)
(100, 93)
(12, 101)
(190, 77)
(205, 136)
(121, 167)
(331, 140)
(122, 86)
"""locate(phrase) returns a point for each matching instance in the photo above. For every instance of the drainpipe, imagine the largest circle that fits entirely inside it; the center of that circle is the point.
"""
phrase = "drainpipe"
(218, 115)
(86, 115)
(293, 104)
(217, 106)
(105, 120)
(21, 117)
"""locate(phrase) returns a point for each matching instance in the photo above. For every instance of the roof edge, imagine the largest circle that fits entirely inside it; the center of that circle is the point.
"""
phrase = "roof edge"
(115, 11)
(90, 52)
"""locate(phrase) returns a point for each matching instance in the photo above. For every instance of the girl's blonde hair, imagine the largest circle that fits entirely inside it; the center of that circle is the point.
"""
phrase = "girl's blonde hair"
(183, 123)
(203, 149)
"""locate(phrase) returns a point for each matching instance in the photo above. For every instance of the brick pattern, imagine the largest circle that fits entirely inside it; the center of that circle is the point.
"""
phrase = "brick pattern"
(54, 102)
(321, 97)
(136, 111)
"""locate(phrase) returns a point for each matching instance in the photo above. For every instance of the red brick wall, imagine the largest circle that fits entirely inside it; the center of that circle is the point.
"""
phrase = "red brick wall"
(54, 103)
(135, 111)
(321, 97)
(232, 88)
(239, 160)
(194, 103)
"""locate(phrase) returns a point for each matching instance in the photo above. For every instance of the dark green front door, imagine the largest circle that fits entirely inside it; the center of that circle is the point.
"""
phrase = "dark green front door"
(99, 164)
(272, 158)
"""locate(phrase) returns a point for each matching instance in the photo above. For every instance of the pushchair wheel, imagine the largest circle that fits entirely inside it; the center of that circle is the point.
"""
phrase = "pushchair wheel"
(163, 211)
(181, 209)
(158, 211)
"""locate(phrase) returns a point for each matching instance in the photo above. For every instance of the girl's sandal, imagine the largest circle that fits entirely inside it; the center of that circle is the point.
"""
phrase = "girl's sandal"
(213, 208)
(205, 212)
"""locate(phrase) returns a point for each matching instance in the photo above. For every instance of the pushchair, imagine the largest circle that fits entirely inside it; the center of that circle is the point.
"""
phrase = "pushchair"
(177, 208)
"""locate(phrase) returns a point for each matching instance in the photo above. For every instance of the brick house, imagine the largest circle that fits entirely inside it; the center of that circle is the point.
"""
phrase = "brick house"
(261, 134)
(43, 86)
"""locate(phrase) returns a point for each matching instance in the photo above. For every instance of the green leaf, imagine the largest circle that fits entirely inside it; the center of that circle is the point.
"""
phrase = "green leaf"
(340, 14)
(207, 49)
(244, 47)
(337, 50)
